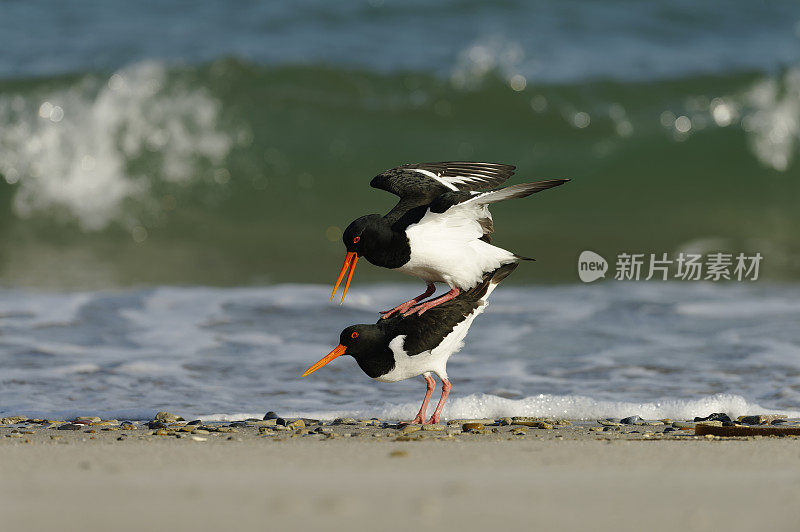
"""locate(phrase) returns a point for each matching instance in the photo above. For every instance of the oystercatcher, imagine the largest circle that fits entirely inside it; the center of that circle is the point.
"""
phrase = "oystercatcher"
(402, 347)
(439, 230)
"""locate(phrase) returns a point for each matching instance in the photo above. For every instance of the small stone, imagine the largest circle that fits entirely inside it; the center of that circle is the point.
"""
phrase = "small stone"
(472, 425)
(70, 426)
(716, 416)
(712, 423)
(398, 453)
(344, 421)
(542, 425)
(161, 432)
(683, 424)
(408, 429)
(506, 421)
(166, 417)
(156, 425)
(87, 419)
(128, 427)
(653, 423)
(631, 420)
(608, 423)
(519, 431)
(199, 438)
(195, 422)
(201, 431)
(434, 427)
(299, 424)
(270, 415)
(13, 420)
(762, 419)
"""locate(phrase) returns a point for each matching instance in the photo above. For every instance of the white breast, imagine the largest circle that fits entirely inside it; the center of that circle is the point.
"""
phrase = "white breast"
(447, 248)
(435, 360)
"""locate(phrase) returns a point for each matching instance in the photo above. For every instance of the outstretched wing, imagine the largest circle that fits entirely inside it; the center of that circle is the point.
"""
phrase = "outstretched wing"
(436, 178)
(421, 183)
(472, 205)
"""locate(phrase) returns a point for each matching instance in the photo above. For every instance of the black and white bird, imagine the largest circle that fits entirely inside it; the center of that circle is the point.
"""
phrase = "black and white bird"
(402, 347)
(440, 229)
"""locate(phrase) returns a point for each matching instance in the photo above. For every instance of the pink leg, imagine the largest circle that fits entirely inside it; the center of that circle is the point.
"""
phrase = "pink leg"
(410, 303)
(420, 419)
(433, 302)
(445, 392)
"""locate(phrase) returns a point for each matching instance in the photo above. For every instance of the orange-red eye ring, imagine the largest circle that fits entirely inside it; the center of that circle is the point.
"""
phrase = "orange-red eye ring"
(354, 335)
(356, 240)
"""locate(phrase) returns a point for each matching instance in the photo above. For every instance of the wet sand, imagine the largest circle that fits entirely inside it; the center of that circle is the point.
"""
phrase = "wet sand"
(569, 477)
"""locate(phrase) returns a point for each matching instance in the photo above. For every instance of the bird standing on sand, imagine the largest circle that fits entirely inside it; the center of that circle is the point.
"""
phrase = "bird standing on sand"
(439, 230)
(402, 347)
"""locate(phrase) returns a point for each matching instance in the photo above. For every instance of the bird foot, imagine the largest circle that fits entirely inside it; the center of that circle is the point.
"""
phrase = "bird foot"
(402, 308)
(421, 309)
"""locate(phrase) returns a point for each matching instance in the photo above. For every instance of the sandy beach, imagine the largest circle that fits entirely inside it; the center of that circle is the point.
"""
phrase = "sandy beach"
(342, 477)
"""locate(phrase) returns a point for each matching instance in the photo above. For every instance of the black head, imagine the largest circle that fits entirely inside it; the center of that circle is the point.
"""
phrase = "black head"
(360, 339)
(353, 236)
(365, 343)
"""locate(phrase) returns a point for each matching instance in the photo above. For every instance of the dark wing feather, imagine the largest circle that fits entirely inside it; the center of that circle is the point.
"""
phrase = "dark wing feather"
(419, 184)
(431, 179)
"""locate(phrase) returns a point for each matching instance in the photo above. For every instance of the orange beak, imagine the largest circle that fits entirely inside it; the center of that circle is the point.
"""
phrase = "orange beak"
(349, 260)
(338, 351)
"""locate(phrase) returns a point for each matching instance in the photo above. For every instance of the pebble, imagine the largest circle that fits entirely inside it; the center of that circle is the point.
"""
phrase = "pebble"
(270, 415)
(408, 429)
(87, 419)
(70, 426)
(201, 431)
(713, 423)
(762, 419)
(609, 423)
(398, 453)
(472, 425)
(299, 424)
(13, 420)
(199, 438)
(433, 428)
(506, 421)
(631, 420)
(716, 416)
(519, 431)
(344, 421)
(166, 417)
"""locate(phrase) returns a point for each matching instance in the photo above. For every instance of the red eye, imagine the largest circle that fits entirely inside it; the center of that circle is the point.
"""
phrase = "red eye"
(356, 240)
(354, 335)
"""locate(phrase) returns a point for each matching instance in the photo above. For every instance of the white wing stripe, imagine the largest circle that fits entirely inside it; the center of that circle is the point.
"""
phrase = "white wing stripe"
(436, 177)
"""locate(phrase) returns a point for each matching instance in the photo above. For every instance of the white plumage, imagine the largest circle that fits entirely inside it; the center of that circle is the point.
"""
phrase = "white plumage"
(435, 360)
(446, 247)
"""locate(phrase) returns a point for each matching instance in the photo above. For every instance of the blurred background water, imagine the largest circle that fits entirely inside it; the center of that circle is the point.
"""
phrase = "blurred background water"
(177, 142)
(156, 144)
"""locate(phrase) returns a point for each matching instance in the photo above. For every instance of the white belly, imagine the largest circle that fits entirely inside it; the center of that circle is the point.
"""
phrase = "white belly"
(435, 360)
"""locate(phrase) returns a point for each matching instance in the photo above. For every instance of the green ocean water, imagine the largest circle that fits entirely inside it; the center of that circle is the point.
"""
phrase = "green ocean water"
(233, 172)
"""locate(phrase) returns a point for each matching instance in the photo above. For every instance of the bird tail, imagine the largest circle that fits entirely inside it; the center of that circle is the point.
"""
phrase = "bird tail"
(481, 291)
(517, 191)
